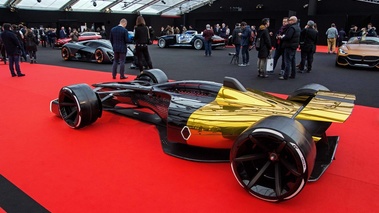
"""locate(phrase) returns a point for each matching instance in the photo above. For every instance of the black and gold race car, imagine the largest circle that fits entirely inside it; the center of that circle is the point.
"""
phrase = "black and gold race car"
(274, 145)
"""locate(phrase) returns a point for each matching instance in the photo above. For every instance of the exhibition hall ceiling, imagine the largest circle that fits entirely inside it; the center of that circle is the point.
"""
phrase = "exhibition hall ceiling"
(148, 7)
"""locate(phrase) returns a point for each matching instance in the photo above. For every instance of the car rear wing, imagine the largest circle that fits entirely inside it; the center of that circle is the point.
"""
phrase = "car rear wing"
(329, 107)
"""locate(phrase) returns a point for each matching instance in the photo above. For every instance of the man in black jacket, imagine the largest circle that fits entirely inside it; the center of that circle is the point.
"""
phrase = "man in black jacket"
(12, 47)
(290, 44)
(308, 40)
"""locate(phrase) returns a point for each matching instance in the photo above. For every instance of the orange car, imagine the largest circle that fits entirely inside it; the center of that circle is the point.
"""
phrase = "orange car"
(359, 52)
(83, 37)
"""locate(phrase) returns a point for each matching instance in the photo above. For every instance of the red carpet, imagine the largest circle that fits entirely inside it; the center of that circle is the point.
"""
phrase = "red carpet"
(117, 165)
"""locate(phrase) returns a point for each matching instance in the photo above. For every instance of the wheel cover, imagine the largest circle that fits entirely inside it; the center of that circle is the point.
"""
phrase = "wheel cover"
(269, 167)
(69, 108)
(198, 44)
(79, 105)
(99, 56)
(162, 43)
(65, 53)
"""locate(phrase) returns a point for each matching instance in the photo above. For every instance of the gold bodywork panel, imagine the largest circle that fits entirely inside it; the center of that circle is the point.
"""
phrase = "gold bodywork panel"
(329, 107)
(233, 111)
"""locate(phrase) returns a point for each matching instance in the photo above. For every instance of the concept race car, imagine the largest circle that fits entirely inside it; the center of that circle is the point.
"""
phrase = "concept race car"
(188, 39)
(99, 51)
(359, 52)
(274, 145)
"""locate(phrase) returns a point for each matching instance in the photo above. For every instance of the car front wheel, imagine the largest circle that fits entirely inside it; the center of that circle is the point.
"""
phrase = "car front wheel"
(79, 105)
(273, 159)
(162, 43)
(65, 52)
(198, 44)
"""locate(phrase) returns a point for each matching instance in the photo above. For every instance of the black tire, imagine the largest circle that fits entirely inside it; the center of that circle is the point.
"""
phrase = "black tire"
(304, 93)
(153, 76)
(198, 44)
(99, 56)
(162, 43)
(65, 52)
(79, 105)
(273, 159)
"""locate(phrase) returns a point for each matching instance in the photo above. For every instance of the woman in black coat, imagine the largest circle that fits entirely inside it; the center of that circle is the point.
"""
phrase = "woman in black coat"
(264, 49)
(31, 43)
(142, 39)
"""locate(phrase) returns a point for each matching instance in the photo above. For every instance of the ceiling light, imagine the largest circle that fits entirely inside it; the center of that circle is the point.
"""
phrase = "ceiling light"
(94, 3)
(259, 6)
(163, 2)
(39, 1)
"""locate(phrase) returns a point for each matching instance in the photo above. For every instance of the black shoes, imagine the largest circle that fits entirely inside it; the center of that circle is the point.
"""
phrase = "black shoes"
(14, 75)
(114, 77)
(123, 77)
(21, 75)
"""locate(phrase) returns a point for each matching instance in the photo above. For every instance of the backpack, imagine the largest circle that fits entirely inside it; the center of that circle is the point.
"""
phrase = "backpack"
(258, 44)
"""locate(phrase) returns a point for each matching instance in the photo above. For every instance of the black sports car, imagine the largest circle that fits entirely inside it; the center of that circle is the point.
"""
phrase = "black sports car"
(274, 145)
(190, 38)
(99, 51)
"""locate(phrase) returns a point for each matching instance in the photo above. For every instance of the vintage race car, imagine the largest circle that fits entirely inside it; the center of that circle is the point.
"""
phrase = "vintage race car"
(99, 51)
(82, 37)
(274, 145)
(359, 52)
(190, 38)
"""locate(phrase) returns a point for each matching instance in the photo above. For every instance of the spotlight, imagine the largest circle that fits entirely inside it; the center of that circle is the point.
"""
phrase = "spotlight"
(259, 6)
(163, 2)
(94, 3)
(68, 8)
(39, 1)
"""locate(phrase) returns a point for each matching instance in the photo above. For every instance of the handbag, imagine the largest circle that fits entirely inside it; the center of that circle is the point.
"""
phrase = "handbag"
(270, 64)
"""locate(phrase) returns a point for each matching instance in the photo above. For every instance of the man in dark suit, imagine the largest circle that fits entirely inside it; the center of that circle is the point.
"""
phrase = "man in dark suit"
(308, 40)
(119, 39)
(12, 47)
(290, 41)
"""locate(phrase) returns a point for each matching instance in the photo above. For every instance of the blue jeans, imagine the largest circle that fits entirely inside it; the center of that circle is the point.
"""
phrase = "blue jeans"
(279, 52)
(14, 62)
(245, 54)
(238, 49)
(118, 58)
(289, 59)
(208, 47)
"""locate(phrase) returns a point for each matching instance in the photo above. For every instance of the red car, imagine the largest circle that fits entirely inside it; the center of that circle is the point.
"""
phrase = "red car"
(83, 37)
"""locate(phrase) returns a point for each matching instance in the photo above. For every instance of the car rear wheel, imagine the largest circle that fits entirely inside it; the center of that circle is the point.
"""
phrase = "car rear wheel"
(79, 105)
(153, 76)
(273, 159)
(306, 92)
(65, 52)
(198, 44)
(162, 43)
(99, 56)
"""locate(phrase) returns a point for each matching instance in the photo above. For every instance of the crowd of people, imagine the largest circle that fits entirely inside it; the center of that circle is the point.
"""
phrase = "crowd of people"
(17, 42)
(284, 43)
